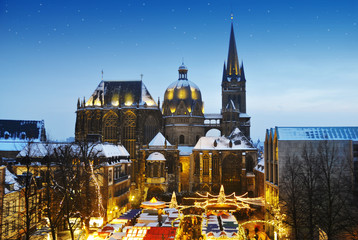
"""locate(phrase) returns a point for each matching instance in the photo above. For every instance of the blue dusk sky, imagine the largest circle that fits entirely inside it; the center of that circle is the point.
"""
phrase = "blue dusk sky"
(300, 56)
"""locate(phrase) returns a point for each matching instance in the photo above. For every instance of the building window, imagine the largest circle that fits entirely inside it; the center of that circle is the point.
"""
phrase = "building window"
(13, 225)
(150, 128)
(129, 136)
(7, 209)
(110, 125)
(155, 170)
(216, 165)
(197, 164)
(116, 173)
(22, 135)
(249, 164)
(7, 135)
(89, 121)
(181, 139)
(110, 176)
(6, 230)
(206, 164)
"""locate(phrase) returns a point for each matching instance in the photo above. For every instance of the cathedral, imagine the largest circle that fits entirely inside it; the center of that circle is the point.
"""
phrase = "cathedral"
(166, 143)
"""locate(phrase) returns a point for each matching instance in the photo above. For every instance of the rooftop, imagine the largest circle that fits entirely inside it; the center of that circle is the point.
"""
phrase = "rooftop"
(317, 133)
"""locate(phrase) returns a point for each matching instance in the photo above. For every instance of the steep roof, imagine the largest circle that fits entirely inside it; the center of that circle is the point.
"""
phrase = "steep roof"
(159, 140)
(317, 133)
(237, 140)
(115, 93)
(232, 59)
(108, 150)
(11, 179)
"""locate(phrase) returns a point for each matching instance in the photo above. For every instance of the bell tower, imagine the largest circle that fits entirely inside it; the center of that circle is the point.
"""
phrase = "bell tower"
(233, 92)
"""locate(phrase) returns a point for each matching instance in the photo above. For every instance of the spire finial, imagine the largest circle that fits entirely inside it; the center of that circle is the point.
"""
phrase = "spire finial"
(102, 74)
(232, 16)
(182, 61)
(141, 76)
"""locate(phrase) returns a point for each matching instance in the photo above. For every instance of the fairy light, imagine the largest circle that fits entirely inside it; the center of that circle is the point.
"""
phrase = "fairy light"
(100, 202)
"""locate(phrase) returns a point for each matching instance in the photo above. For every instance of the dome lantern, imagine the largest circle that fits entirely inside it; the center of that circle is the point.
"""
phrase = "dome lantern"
(183, 71)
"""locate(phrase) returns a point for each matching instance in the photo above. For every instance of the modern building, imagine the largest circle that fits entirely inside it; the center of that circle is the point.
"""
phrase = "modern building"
(288, 146)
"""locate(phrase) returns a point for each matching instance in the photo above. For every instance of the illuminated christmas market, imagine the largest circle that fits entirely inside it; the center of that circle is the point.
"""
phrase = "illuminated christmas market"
(138, 120)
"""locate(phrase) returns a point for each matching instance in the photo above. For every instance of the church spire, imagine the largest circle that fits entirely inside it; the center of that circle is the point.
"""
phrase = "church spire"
(224, 73)
(232, 59)
(242, 73)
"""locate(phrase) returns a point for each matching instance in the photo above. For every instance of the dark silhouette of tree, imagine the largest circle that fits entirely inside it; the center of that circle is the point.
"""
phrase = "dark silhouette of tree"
(31, 195)
(335, 188)
(316, 191)
(291, 195)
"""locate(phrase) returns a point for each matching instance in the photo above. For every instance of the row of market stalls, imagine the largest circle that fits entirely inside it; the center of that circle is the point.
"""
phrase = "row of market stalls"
(209, 217)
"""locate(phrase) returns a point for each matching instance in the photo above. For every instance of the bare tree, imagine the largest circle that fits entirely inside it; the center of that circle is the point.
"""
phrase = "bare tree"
(87, 155)
(30, 194)
(291, 195)
(67, 186)
(316, 190)
(335, 192)
(309, 174)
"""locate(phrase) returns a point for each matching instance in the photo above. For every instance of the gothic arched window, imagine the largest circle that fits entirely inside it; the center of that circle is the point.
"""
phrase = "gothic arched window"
(197, 164)
(150, 128)
(249, 164)
(181, 139)
(156, 170)
(129, 136)
(89, 121)
(206, 164)
(110, 125)
(216, 170)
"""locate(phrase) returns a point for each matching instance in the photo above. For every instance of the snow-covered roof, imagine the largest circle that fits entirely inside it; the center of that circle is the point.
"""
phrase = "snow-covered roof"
(212, 116)
(185, 150)
(237, 139)
(244, 115)
(14, 134)
(260, 165)
(12, 146)
(22, 130)
(159, 140)
(317, 133)
(156, 156)
(110, 150)
(11, 179)
(40, 150)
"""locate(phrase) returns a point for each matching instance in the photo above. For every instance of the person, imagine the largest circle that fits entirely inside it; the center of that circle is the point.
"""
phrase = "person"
(247, 233)
(260, 235)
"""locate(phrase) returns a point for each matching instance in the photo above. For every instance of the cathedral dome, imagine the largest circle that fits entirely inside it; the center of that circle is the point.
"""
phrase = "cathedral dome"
(183, 97)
